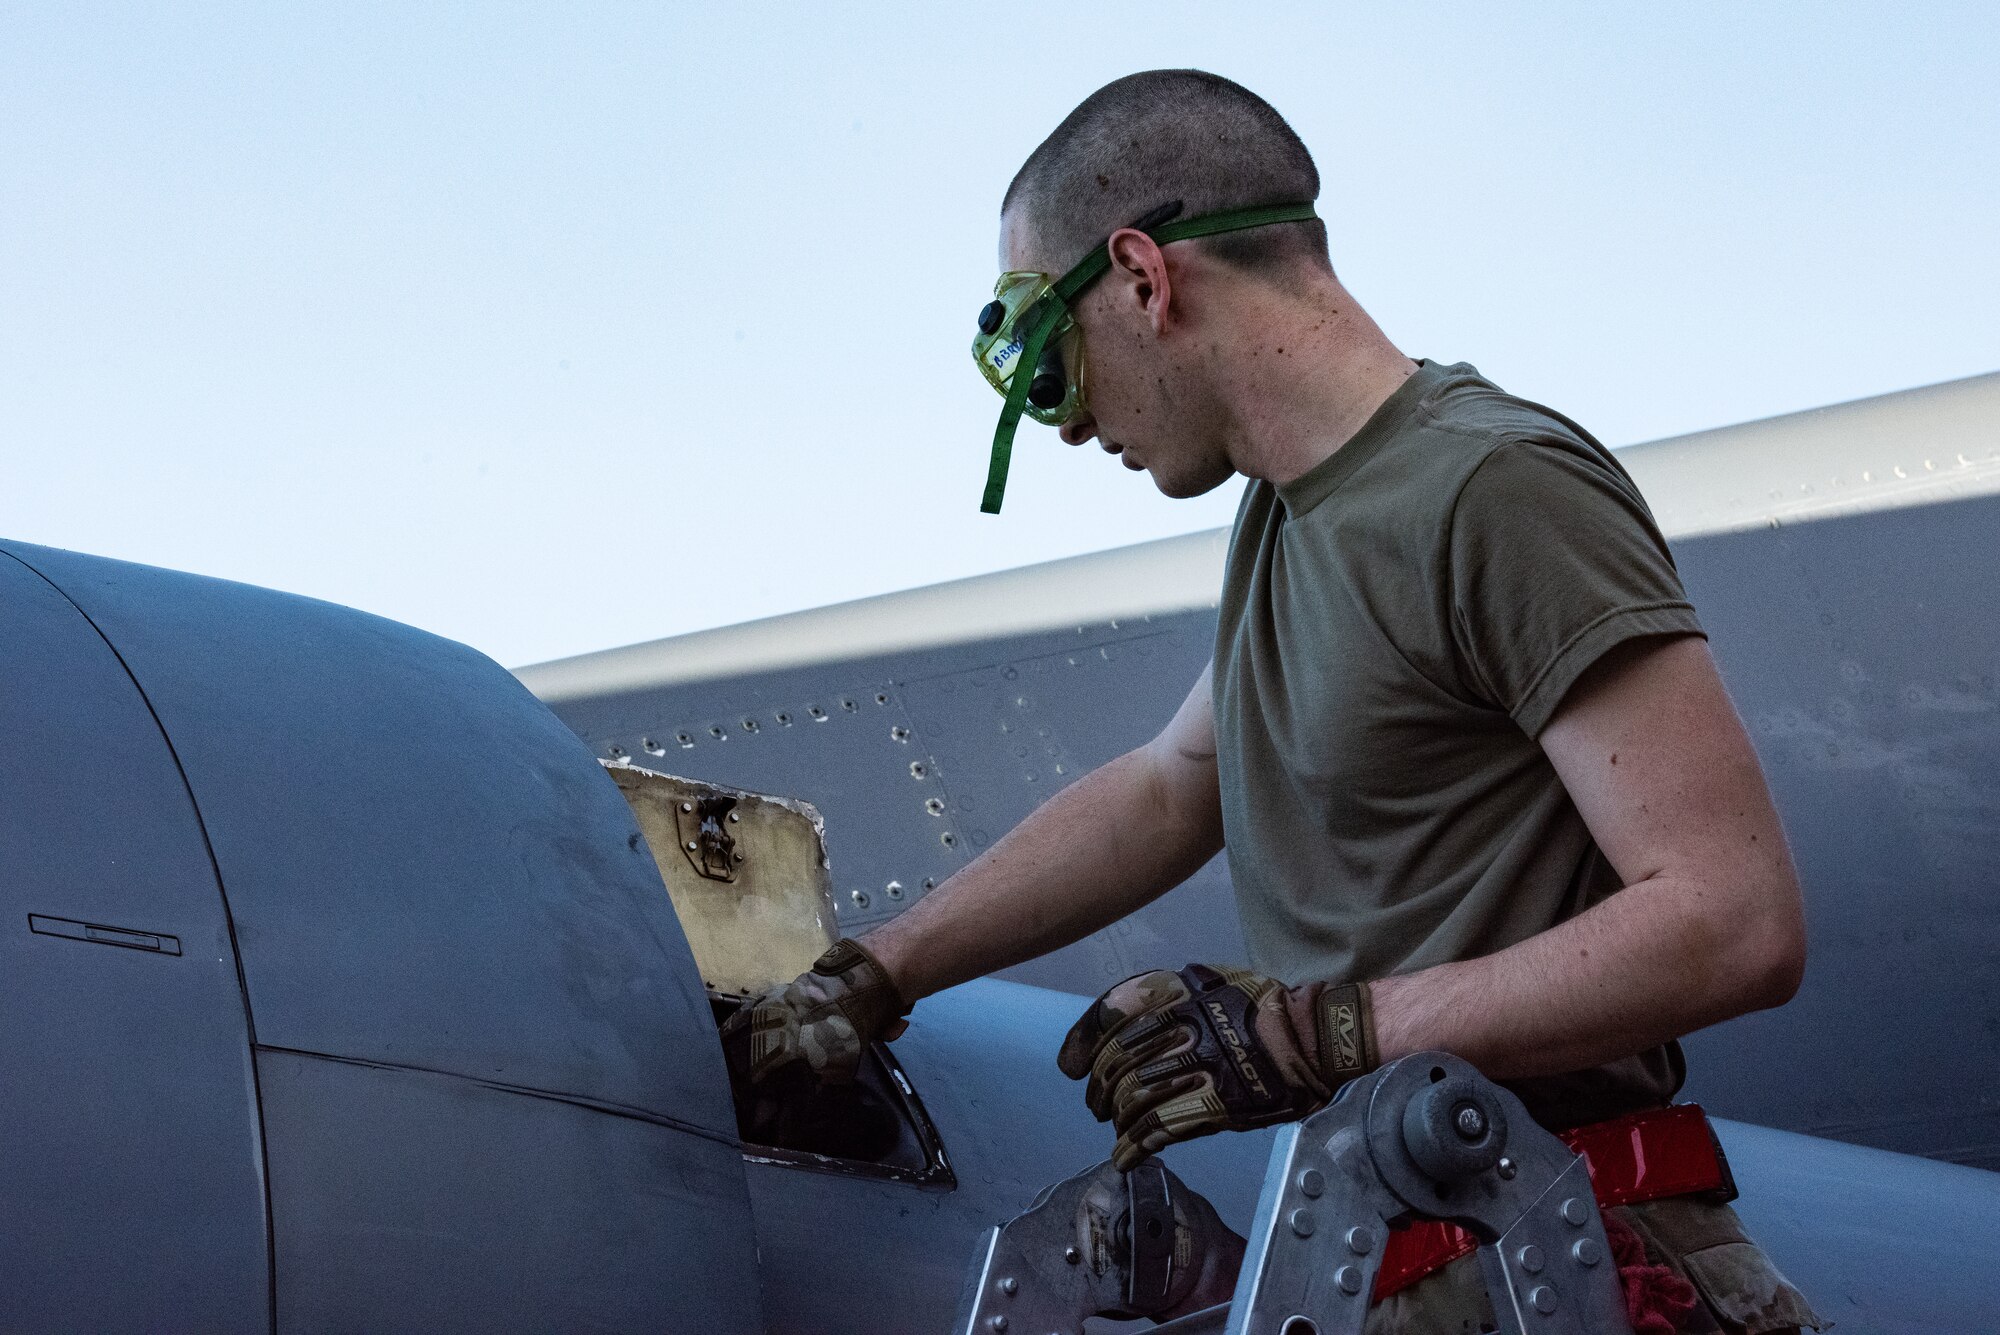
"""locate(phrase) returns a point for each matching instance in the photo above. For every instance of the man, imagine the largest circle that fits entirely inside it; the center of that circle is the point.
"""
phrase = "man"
(1480, 785)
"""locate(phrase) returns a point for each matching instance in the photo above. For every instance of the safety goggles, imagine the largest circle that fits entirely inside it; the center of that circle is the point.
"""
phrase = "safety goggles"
(1029, 323)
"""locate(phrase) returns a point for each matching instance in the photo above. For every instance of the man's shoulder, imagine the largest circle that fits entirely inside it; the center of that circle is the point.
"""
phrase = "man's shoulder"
(1461, 427)
(1508, 442)
(1468, 405)
(1413, 475)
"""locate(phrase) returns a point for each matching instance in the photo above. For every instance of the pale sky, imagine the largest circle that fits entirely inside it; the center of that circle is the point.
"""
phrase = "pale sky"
(551, 328)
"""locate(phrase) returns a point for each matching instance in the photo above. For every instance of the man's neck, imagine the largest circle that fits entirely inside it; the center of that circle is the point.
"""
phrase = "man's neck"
(1304, 375)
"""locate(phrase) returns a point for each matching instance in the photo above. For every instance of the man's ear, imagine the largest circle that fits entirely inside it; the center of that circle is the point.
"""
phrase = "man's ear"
(1139, 273)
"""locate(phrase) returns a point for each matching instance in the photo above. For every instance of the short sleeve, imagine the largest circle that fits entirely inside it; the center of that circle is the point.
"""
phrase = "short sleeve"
(1554, 561)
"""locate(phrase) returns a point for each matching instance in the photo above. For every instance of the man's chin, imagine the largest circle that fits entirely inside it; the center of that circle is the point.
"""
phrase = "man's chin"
(1186, 488)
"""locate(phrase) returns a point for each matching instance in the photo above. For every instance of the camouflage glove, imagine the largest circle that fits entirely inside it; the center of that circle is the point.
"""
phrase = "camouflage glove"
(1172, 1056)
(824, 1018)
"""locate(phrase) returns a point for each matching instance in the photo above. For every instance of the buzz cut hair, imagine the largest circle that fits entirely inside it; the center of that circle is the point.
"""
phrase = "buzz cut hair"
(1151, 138)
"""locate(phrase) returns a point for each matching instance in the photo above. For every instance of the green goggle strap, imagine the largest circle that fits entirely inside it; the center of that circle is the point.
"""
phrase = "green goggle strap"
(1054, 307)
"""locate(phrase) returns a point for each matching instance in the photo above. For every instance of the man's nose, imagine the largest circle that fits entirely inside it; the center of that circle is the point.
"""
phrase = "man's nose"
(1078, 429)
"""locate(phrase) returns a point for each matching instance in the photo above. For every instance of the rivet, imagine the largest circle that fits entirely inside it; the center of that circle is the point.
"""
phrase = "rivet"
(1530, 1259)
(693, 846)
(1544, 1299)
(1586, 1251)
(739, 855)
(1575, 1212)
(1360, 1241)
(1507, 1170)
(1311, 1183)
(1303, 1222)
(687, 806)
(1470, 1122)
(998, 1321)
(734, 817)
(1072, 1255)
(1009, 1285)
(1349, 1279)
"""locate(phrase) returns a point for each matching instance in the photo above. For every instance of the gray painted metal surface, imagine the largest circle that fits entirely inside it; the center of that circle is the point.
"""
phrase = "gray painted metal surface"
(131, 1170)
(1915, 447)
(1878, 1242)
(414, 1201)
(344, 735)
(482, 1046)
(1864, 656)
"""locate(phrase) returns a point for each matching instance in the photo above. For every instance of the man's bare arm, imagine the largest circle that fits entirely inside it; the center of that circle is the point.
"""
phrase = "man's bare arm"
(1113, 841)
(1710, 923)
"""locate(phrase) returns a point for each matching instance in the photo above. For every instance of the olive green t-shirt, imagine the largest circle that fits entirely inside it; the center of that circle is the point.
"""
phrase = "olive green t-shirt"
(1397, 626)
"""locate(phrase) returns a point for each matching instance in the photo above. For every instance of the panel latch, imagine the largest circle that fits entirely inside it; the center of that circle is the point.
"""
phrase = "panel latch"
(704, 829)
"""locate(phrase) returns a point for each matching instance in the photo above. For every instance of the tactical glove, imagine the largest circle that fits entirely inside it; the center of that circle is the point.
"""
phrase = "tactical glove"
(1171, 1056)
(825, 1019)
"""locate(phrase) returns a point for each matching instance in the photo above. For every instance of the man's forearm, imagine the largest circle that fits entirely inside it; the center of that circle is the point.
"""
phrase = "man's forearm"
(1653, 962)
(1093, 853)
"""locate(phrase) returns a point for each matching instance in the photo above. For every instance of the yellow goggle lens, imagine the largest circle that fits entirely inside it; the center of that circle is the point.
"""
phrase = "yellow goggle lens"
(1017, 295)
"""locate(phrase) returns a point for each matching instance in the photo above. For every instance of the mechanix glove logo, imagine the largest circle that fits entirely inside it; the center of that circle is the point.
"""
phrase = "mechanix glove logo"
(1340, 1041)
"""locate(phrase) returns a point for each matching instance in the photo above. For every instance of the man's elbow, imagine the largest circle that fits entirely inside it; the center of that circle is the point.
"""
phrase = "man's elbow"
(1770, 951)
(1744, 946)
(1776, 982)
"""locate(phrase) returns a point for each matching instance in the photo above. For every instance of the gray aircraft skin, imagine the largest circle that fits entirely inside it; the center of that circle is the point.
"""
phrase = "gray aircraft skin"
(345, 994)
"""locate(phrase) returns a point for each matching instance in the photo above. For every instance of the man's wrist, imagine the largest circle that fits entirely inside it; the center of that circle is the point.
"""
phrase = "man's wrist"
(885, 952)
